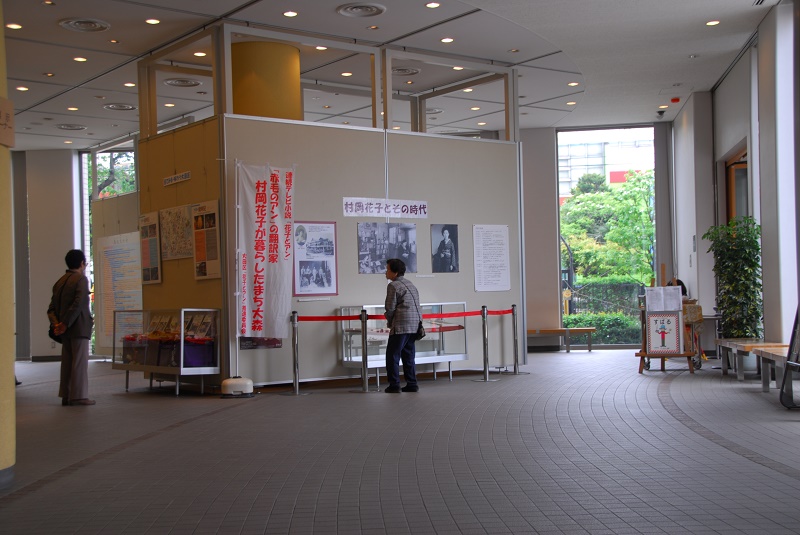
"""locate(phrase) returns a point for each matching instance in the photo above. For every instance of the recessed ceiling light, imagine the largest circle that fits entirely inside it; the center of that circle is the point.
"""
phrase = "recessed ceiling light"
(475, 108)
(113, 41)
(395, 128)
(48, 3)
(22, 88)
(169, 105)
(514, 50)
(712, 23)
(326, 107)
(129, 84)
(663, 107)
(409, 82)
(153, 21)
(571, 103)
(481, 124)
(79, 59)
(200, 54)
(573, 84)
(322, 48)
(48, 74)
(345, 122)
(289, 14)
(346, 74)
(100, 97)
(68, 142)
(13, 26)
(373, 27)
(202, 92)
(447, 40)
(72, 108)
(694, 56)
(456, 68)
(468, 90)
(432, 5)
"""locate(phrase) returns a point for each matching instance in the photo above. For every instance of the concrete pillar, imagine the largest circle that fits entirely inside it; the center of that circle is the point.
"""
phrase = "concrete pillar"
(266, 80)
(8, 401)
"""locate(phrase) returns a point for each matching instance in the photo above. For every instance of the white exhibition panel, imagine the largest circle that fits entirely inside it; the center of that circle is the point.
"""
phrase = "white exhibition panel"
(465, 182)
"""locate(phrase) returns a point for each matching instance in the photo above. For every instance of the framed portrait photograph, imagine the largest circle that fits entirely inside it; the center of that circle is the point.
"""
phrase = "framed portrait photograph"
(444, 248)
(378, 242)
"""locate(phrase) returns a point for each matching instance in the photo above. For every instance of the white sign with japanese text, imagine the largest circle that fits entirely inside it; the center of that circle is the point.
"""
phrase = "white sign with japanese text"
(266, 237)
(6, 122)
(366, 207)
(492, 265)
(205, 240)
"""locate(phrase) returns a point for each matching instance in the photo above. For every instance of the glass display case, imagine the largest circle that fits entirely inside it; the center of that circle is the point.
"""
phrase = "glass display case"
(445, 340)
(173, 342)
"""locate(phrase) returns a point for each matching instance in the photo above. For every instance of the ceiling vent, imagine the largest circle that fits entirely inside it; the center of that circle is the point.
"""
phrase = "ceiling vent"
(758, 2)
(119, 107)
(358, 9)
(182, 82)
(70, 127)
(84, 25)
(405, 71)
(433, 111)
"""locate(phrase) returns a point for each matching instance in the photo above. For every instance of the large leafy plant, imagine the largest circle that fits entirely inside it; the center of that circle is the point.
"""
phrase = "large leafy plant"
(737, 264)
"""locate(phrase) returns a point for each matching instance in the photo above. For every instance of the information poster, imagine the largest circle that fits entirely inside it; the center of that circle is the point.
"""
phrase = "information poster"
(205, 218)
(176, 232)
(664, 332)
(119, 282)
(149, 238)
(492, 265)
(315, 258)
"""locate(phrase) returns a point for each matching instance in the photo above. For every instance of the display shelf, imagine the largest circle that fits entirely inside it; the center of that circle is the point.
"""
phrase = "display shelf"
(445, 340)
(171, 342)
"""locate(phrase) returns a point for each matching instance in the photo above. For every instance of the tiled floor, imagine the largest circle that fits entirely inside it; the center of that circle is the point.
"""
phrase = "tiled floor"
(583, 444)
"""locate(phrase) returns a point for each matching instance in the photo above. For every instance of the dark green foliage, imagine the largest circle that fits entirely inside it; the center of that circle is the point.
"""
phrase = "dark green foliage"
(737, 264)
(612, 328)
(607, 294)
(591, 183)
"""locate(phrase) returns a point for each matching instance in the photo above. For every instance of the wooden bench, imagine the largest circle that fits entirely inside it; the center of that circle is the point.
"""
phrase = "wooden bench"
(774, 358)
(565, 332)
(740, 348)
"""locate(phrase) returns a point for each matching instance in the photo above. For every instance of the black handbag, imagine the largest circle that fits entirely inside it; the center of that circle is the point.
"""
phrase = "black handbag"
(420, 332)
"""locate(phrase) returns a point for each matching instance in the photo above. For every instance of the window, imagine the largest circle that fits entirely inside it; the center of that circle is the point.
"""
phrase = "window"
(116, 173)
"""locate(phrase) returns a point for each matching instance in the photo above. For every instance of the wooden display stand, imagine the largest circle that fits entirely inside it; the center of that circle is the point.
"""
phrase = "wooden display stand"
(643, 355)
(663, 336)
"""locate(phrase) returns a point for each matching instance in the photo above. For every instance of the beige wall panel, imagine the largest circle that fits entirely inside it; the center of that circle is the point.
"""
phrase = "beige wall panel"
(193, 148)
(333, 163)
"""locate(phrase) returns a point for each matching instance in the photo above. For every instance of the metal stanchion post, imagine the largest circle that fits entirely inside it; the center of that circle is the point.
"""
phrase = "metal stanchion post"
(295, 358)
(364, 355)
(516, 342)
(485, 320)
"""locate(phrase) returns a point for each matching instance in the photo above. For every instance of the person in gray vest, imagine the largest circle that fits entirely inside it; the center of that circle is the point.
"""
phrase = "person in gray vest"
(403, 314)
(71, 318)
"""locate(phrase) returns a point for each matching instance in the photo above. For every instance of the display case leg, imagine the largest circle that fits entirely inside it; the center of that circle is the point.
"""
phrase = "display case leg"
(177, 385)
(127, 379)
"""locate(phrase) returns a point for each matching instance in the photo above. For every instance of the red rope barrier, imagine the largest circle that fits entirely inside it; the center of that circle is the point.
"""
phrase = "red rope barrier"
(328, 318)
(499, 312)
(424, 316)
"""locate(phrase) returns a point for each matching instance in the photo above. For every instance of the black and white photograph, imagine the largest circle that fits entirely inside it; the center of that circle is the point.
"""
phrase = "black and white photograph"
(444, 248)
(315, 258)
(377, 242)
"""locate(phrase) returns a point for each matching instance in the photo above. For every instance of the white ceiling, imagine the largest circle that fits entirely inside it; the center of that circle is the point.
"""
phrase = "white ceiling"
(629, 57)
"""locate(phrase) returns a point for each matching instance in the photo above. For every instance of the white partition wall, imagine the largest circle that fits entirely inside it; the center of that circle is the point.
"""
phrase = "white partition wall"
(465, 182)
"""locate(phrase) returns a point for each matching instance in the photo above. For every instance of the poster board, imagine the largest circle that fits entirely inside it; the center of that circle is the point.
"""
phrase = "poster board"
(315, 259)
(150, 248)
(664, 333)
(205, 240)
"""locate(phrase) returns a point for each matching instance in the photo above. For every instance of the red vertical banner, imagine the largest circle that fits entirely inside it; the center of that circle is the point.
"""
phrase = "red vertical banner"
(265, 256)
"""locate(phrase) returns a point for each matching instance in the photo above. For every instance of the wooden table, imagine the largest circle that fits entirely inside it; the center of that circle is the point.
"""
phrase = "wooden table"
(743, 348)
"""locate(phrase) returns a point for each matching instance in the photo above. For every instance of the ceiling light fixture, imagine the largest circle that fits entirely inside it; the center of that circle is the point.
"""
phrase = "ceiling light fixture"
(448, 40)
(432, 5)
(468, 90)
(200, 54)
(514, 50)
(48, 3)
(119, 107)
(113, 41)
(663, 107)
(13, 26)
(169, 105)
(395, 128)
(345, 122)
(129, 84)
(71, 127)
(48, 74)
(475, 108)
(571, 103)
(100, 97)
(346, 74)
(79, 60)
(22, 88)
(326, 107)
(373, 27)
(712, 23)
(72, 108)
(457, 68)
(481, 124)
(153, 21)
(409, 82)
(68, 142)
(322, 48)
(573, 84)
(290, 14)
(182, 82)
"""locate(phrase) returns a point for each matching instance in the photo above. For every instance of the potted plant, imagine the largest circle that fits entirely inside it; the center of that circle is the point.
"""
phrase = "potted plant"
(737, 264)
